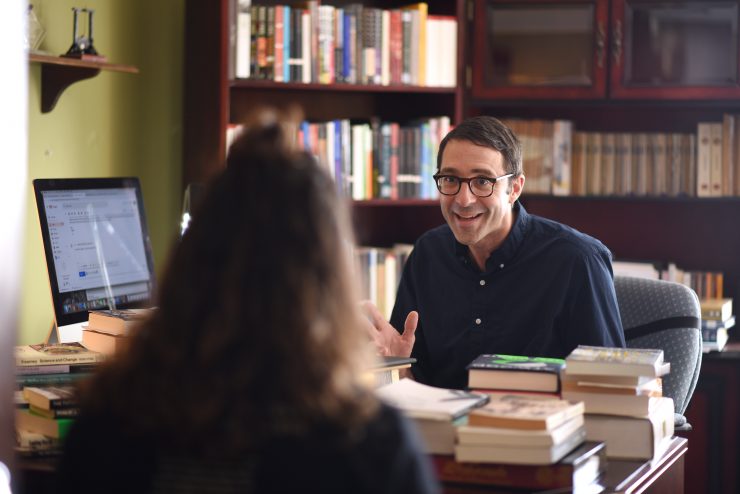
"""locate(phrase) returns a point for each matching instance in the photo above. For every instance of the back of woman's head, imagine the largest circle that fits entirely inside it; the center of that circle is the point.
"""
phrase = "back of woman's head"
(256, 319)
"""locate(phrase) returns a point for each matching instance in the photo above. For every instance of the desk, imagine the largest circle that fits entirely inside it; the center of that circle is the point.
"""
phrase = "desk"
(664, 475)
(714, 413)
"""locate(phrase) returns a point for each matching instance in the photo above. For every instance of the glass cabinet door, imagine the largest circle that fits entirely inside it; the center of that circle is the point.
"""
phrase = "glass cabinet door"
(675, 50)
(539, 49)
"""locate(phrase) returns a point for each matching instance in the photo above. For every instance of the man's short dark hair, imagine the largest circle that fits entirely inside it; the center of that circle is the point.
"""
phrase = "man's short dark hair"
(488, 132)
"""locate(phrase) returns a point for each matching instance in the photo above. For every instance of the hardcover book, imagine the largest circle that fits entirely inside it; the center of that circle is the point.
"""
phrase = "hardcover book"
(117, 322)
(51, 397)
(614, 404)
(105, 343)
(637, 438)
(513, 372)
(719, 309)
(54, 428)
(580, 467)
(606, 361)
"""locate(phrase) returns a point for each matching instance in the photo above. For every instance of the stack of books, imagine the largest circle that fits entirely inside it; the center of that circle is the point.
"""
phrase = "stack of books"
(44, 400)
(498, 374)
(437, 412)
(622, 392)
(43, 418)
(388, 370)
(514, 429)
(716, 319)
(52, 365)
(107, 330)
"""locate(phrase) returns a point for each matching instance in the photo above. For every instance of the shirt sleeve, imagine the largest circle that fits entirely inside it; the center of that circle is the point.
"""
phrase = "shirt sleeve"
(594, 313)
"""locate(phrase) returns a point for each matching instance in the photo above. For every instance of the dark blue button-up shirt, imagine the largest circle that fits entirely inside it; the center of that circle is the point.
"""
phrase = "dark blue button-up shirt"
(545, 290)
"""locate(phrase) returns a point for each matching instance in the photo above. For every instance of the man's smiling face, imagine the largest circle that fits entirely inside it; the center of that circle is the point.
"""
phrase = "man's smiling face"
(481, 223)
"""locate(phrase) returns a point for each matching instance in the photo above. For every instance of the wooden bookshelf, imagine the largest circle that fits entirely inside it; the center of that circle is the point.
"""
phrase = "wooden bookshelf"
(213, 98)
(58, 73)
(698, 234)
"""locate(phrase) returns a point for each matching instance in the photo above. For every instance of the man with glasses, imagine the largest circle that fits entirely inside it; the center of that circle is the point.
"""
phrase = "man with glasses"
(495, 279)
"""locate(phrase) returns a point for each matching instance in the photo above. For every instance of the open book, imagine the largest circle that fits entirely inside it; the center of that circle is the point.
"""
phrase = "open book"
(427, 402)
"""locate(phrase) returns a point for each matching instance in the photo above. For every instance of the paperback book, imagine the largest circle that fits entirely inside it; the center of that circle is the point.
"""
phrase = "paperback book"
(522, 455)
(518, 412)
(604, 361)
(65, 353)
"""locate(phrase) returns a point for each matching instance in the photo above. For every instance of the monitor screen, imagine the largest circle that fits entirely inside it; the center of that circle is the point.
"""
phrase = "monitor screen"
(98, 251)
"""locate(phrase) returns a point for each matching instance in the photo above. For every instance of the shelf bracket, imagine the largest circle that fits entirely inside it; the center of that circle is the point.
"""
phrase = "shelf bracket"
(55, 79)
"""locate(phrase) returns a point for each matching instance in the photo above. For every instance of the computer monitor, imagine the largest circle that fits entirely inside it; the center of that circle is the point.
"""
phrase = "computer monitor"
(98, 251)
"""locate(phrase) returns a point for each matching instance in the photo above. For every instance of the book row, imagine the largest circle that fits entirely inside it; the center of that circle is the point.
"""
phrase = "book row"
(355, 44)
(706, 284)
(560, 161)
(379, 272)
(375, 160)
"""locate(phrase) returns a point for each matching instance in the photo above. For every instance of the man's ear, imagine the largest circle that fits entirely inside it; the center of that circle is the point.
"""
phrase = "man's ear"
(517, 185)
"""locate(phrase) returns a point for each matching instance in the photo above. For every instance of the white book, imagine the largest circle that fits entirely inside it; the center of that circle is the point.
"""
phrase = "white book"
(306, 47)
(562, 137)
(606, 361)
(519, 455)
(242, 57)
(358, 161)
(637, 438)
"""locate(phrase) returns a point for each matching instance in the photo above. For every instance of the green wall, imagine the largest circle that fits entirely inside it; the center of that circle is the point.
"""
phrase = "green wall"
(114, 124)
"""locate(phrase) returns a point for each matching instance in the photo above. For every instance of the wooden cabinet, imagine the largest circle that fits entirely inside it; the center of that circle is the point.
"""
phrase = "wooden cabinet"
(713, 455)
(674, 50)
(539, 49)
(607, 66)
(568, 49)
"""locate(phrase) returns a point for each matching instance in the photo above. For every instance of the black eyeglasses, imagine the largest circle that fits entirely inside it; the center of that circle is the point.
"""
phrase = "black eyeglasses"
(449, 185)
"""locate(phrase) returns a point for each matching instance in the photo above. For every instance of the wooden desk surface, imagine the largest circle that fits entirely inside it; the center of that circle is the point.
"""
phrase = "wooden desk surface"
(664, 475)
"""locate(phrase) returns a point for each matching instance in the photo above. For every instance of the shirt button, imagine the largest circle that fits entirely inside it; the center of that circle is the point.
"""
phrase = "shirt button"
(478, 321)
(482, 282)
(501, 265)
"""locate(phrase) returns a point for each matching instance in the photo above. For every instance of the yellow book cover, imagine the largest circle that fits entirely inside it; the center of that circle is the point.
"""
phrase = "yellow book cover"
(423, 9)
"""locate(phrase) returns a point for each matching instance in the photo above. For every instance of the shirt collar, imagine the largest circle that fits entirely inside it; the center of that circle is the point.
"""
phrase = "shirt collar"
(509, 248)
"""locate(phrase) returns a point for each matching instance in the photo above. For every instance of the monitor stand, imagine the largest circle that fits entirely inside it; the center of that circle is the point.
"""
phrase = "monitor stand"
(72, 333)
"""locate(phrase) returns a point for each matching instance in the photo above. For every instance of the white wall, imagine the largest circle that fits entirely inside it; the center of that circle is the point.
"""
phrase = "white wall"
(13, 189)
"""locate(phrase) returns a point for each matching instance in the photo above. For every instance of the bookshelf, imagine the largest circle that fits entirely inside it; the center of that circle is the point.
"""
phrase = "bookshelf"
(611, 76)
(213, 98)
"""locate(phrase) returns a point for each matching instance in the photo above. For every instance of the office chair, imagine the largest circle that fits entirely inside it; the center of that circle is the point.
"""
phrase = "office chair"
(666, 315)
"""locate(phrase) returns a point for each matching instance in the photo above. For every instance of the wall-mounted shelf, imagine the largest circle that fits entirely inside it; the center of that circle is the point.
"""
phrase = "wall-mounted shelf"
(58, 73)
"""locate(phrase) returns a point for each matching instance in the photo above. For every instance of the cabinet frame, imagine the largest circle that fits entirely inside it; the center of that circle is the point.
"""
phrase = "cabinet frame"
(617, 48)
(599, 57)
